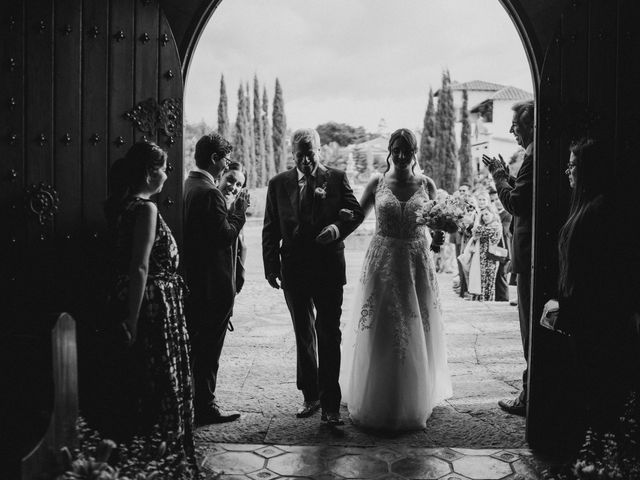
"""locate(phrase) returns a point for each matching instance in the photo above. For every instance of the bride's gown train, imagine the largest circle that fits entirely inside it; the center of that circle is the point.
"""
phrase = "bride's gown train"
(394, 352)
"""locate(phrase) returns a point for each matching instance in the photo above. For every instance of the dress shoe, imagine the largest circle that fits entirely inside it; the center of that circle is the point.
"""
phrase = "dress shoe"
(513, 303)
(308, 409)
(332, 419)
(216, 415)
(514, 407)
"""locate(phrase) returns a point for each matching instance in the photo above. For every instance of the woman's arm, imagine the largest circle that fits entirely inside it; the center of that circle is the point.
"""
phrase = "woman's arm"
(367, 201)
(144, 234)
(430, 186)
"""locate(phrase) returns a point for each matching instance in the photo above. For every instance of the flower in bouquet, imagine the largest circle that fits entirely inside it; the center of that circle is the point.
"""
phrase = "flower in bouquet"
(445, 215)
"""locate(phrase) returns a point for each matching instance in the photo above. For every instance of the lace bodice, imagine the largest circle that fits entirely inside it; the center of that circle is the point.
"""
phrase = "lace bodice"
(397, 219)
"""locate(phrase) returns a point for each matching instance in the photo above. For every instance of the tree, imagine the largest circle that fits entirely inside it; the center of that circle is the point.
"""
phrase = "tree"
(467, 168)
(446, 159)
(252, 174)
(279, 129)
(428, 139)
(340, 133)
(258, 140)
(268, 139)
(223, 115)
(240, 146)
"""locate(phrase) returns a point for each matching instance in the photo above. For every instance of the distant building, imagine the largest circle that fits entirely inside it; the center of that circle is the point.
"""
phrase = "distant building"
(490, 117)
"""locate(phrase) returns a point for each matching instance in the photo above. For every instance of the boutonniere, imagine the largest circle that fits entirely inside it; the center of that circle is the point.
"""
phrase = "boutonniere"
(321, 192)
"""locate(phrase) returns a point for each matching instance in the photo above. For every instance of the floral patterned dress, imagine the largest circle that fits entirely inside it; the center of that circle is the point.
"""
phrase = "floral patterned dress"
(159, 376)
(487, 235)
(394, 368)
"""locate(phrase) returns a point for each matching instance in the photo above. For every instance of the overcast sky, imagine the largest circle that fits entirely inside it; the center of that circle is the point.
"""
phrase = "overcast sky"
(352, 61)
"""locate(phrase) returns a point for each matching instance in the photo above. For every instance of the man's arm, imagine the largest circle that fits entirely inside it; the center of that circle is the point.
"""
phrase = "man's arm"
(349, 202)
(222, 228)
(517, 199)
(271, 234)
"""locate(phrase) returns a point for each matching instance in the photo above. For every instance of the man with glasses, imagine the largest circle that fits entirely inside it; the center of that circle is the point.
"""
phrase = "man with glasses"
(516, 195)
(310, 209)
(210, 233)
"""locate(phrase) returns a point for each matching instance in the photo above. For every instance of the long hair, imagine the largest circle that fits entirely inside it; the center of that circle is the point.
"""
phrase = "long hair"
(128, 174)
(409, 137)
(590, 157)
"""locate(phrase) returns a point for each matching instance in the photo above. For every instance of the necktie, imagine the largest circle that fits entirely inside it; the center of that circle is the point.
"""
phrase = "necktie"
(306, 197)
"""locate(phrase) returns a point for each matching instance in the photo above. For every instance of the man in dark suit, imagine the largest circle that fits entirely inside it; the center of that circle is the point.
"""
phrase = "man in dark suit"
(210, 234)
(310, 209)
(516, 195)
(502, 284)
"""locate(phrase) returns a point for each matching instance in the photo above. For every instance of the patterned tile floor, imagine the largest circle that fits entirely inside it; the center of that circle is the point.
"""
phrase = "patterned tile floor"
(267, 462)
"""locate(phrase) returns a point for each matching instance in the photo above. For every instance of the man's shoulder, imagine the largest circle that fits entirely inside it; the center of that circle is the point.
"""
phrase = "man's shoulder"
(280, 177)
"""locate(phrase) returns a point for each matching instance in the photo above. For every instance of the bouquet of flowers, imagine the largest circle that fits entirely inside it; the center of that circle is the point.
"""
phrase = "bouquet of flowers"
(445, 215)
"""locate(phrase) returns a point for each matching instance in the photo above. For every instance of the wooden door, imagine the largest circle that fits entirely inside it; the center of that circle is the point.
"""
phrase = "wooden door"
(586, 89)
(82, 80)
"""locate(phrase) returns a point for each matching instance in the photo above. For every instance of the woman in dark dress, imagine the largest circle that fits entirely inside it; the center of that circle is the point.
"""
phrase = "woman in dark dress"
(146, 303)
(594, 308)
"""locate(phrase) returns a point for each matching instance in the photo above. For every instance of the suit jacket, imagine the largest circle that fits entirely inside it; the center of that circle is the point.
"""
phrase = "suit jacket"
(516, 195)
(288, 245)
(210, 236)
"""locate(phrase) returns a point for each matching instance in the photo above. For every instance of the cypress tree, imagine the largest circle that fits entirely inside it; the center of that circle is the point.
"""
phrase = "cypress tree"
(258, 139)
(467, 168)
(279, 130)
(223, 115)
(268, 139)
(240, 146)
(251, 164)
(428, 139)
(446, 159)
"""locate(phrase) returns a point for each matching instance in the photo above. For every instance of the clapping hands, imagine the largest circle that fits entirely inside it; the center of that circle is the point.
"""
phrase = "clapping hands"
(494, 164)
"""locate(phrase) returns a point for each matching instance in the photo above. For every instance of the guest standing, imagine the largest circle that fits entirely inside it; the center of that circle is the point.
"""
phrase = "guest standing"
(516, 194)
(147, 296)
(593, 307)
(210, 234)
(502, 282)
(482, 276)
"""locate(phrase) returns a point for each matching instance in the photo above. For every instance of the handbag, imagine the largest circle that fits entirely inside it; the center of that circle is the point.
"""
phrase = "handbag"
(498, 253)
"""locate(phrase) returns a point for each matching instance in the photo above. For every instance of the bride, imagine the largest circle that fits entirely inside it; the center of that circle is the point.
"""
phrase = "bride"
(394, 352)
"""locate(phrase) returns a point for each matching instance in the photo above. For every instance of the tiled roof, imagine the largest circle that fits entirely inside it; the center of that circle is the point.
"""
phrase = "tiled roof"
(477, 85)
(507, 93)
(511, 93)
(474, 86)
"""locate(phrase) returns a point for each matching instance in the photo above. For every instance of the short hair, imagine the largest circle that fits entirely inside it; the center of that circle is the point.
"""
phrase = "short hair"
(208, 145)
(524, 114)
(306, 135)
(493, 191)
(464, 184)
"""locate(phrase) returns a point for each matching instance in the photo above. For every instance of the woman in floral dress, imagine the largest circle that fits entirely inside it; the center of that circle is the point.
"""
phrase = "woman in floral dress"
(482, 276)
(146, 302)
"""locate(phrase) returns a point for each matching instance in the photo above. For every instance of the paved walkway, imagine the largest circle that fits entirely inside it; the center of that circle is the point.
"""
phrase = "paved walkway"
(257, 377)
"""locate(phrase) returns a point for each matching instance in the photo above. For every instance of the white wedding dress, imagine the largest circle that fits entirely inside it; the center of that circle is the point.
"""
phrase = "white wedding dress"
(394, 356)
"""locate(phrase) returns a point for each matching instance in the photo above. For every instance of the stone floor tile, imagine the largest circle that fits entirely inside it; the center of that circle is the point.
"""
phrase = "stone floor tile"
(523, 468)
(481, 467)
(234, 462)
(421, 467)
(385, 454)
(269, 451)
(263, 474)
(230, 477)
(358, 466)
(297, 464)
(505, 456)
(237, 447)
(476, 451)
(447, 454)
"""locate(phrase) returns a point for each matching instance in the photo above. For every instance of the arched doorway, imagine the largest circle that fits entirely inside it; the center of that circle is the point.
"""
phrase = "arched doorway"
(511, 9)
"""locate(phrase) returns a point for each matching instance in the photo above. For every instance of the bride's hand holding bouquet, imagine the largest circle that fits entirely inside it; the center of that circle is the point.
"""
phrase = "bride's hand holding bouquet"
(445, 216)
